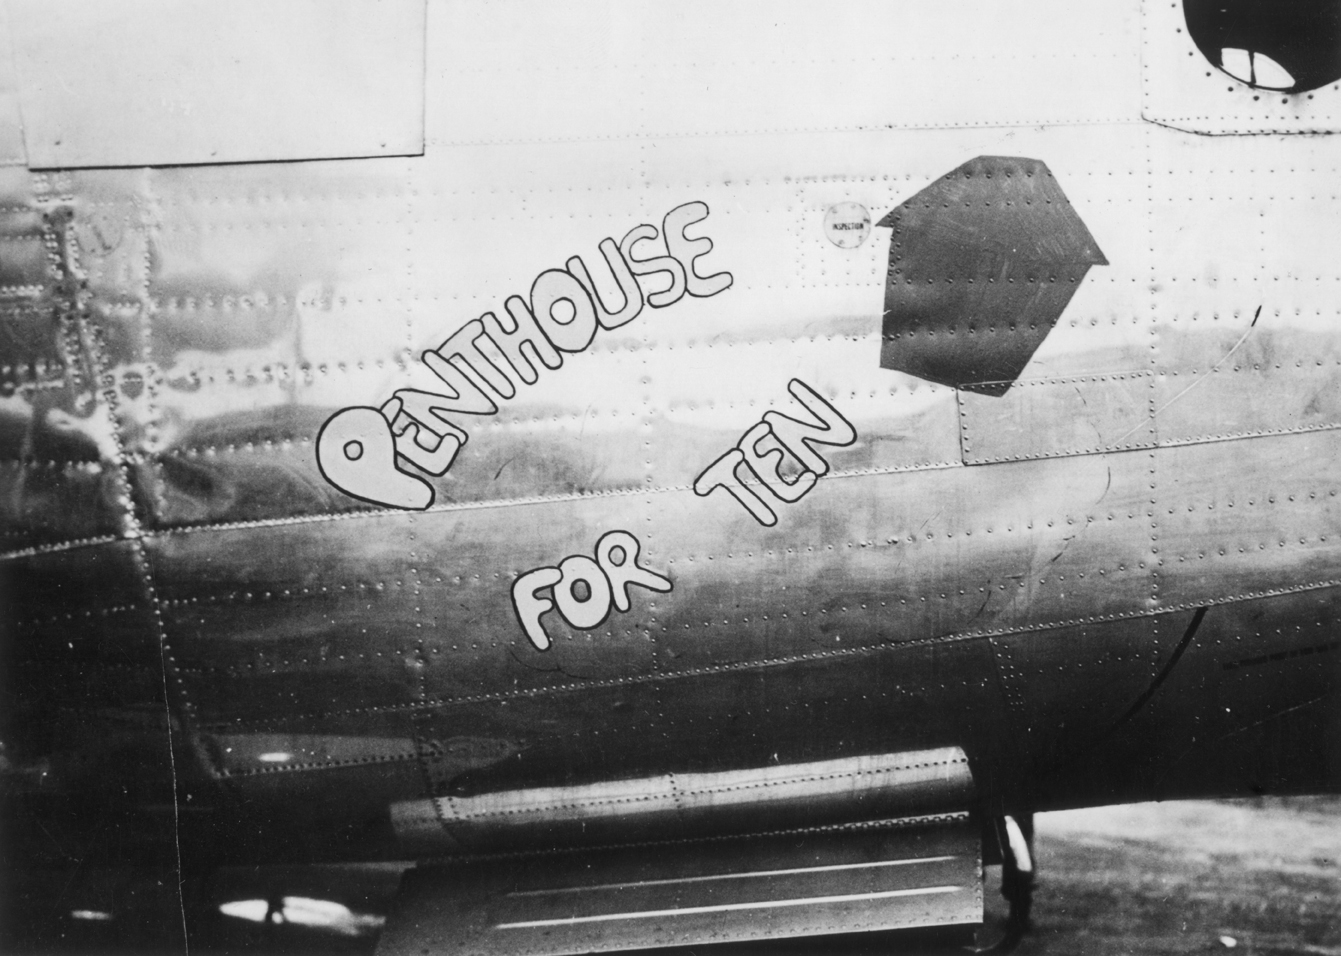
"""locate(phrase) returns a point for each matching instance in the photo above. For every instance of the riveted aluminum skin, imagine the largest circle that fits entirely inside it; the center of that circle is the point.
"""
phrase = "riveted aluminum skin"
(1114, 580)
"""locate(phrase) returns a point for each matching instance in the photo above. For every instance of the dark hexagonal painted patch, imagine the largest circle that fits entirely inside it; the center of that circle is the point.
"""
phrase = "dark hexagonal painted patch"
(981, 264)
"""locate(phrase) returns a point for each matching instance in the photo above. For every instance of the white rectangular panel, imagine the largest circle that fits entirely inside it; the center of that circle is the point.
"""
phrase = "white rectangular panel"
(11, 126)
(156, 82)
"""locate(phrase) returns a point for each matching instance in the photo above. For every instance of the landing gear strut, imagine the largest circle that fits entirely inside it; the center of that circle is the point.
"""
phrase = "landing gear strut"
(1017, 877)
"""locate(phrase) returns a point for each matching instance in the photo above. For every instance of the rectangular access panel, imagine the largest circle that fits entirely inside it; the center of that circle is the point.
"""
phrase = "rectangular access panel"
(173, 82)
(881, 875)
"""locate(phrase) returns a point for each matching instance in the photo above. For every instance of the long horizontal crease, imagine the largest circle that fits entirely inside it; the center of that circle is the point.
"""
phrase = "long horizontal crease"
(836, 867)
(730, 907)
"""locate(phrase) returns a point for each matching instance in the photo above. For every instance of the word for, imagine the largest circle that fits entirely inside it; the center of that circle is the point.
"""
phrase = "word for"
(360, 450)
(604, 582)
(798, 437)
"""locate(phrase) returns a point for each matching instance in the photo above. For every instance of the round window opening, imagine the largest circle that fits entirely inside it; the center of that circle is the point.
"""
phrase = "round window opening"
(1288, 46)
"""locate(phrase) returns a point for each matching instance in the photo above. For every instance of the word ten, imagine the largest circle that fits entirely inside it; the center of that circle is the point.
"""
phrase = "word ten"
(797, 437)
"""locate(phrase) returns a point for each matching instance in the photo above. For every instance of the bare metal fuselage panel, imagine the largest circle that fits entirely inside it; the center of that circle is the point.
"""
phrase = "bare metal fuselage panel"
(340, 486)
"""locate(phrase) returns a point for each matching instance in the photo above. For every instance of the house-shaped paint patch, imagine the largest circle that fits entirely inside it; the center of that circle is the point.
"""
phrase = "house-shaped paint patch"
(981, 265)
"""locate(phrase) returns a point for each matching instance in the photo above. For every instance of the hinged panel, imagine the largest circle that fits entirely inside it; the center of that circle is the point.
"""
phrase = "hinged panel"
(890, 874)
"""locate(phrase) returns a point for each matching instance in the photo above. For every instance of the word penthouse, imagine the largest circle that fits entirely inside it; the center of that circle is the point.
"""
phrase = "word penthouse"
(359, 448)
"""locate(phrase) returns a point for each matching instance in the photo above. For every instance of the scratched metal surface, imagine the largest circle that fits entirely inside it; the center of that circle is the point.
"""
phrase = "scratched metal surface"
(1007, 574)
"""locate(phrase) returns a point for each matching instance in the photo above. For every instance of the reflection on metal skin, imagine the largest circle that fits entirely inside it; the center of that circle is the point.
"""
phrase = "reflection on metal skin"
(324, 915)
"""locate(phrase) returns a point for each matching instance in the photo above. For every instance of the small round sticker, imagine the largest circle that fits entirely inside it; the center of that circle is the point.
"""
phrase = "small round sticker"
(847, 224)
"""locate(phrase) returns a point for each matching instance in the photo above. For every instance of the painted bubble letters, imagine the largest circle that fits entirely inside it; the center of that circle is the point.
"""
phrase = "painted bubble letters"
(605, 581)
(764, 463)
(374, 453)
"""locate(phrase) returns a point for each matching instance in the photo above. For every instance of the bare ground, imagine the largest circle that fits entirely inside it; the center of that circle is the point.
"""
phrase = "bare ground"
(1259, 877)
